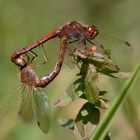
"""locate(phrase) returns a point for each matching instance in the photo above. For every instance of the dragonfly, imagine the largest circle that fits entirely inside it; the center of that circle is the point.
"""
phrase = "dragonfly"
(30, 103)
(73, 32)
(35, 102)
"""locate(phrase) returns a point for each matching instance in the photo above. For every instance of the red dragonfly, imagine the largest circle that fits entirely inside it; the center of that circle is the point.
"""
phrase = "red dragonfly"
(34, 101)
(29, 103)
(71, 32)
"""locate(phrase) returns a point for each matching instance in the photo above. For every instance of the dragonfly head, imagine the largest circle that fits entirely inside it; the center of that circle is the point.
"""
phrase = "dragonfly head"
(21, 62)
(91, 32)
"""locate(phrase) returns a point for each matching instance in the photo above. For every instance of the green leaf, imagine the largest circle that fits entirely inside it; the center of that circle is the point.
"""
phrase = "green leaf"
(91, 89)
(102, 103)
(78, 81)
(87, 119)
(104, 124)
(121, 74)
(104, 63)
(76, 89)
(101, 93)
(73, 92)
(91, 92)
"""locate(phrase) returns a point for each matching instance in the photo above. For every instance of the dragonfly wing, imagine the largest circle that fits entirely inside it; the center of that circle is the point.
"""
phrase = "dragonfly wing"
(69, 57)
(26, 113)
(42, 110)
(113, 46)
(119, 50)
(111, 43)
(8, 112)
(69, 60)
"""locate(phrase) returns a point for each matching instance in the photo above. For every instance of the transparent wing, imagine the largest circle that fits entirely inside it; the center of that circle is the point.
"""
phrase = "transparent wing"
(69, 59)
(112, 43)
(26, 113)
(119, 50)
(42, 110)
(8, 112)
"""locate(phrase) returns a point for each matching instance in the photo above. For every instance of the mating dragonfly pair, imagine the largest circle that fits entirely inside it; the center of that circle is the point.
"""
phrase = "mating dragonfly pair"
(36, 103)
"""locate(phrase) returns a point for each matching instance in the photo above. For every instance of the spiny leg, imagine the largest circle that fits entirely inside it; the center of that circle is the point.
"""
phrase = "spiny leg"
(75, 59)
(34, 55)
(71, 52)
(73, 41)
(27, 57)
(43, 51)
(90, 41)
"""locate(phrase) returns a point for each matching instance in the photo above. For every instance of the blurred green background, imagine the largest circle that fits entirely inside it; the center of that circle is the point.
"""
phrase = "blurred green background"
(24, 22)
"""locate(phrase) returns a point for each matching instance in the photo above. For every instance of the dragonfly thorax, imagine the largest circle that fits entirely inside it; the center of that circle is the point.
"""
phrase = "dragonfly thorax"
(73, 29)
(28, 76)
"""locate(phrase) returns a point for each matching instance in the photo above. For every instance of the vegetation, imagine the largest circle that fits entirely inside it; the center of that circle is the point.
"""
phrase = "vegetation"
(24, 22)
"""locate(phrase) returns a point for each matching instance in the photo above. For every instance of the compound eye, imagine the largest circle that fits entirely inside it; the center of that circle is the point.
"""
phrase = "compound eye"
(91, 32)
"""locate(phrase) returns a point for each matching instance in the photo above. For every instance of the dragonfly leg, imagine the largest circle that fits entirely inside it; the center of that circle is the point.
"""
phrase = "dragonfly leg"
(75, 60)
(90, 41)
(28, 58)
(73, 41)
(43, 51)
(34, 55)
